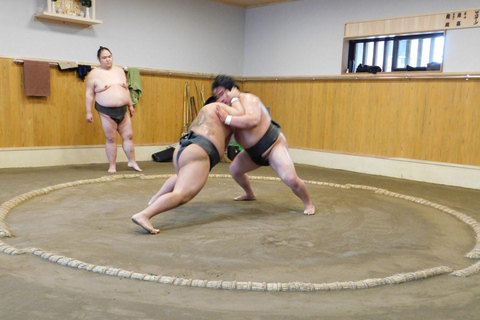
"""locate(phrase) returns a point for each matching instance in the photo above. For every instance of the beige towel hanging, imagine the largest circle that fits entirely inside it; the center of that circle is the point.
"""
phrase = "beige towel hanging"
(65, 65)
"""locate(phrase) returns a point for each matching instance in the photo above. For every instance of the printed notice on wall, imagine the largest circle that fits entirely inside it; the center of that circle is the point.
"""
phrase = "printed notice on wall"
(462, 19)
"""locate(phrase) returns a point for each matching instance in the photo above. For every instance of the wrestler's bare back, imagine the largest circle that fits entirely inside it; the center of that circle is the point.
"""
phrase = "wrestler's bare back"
(110, 86)
(208, 124)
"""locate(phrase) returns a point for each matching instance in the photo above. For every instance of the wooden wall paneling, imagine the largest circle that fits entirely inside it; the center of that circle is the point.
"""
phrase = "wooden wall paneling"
(359, 106)
(432, 137)
(389, 128)
(461, 114)
(355, 115)
(14, 110)
(392, 125)
(156, 110)
(450, 128)
(323, 114)
(79, 128)
(5, 105)
(176, 114)
(474, 119)
(368, 128)
(422, 144)
(307, 105)
(4, 97)
(343, 119)
(422, 119)
(58, 118)
(409, 113)
(445, 135)
(160, 109)
(316, 122)
(296, 120)
(172, 108)
(147, 111)
(469, 121)
(167, 106)
(460, 122)
(292, 114)
(335, 128)
(20, 111)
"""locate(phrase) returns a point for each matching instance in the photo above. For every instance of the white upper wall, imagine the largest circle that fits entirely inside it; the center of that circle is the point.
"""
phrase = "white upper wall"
(297, 38)
(306, 37)
(178, 35)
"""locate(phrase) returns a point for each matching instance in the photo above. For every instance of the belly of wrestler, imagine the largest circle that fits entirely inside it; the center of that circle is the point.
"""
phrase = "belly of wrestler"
(114, 96)
(249, 138)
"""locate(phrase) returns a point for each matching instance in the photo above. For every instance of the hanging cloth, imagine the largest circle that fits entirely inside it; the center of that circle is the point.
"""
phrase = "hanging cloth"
(83, 70)
(67, 65)
(36, 78)
(134, 84)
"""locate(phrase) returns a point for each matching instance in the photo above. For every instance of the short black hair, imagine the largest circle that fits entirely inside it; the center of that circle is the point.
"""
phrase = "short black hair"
(224, 81)
(99, 52)
(212, 99)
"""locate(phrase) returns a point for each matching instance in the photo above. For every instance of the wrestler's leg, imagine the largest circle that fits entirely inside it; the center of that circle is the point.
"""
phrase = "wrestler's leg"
(167, 187)
(110, 129)
(238, 169)
(280, 161)
(125, 129)
(170, 183)
(191, 178)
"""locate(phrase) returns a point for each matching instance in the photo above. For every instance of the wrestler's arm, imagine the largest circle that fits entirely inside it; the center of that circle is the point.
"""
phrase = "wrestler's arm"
(229, 110)
(130, 106)
(89, 97)
(130, 103)
(227, 140)
(250, 118)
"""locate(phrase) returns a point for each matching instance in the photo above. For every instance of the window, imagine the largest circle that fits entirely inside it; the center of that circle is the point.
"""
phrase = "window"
(419, 52)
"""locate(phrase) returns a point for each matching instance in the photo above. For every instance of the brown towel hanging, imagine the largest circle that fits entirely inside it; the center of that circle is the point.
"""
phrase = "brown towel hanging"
(37, 78)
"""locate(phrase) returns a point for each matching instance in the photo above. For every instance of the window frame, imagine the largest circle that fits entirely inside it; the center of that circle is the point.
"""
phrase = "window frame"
(395, 50)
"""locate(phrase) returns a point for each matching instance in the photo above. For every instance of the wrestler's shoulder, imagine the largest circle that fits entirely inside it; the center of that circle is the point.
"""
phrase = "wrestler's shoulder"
(213, 105)
(251, 97)
(118, 69)
(96, 73)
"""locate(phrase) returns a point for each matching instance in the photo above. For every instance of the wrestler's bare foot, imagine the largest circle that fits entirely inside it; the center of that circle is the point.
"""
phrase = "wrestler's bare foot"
(134, 166)
(144, 223)
(245, 197)
(309, 210)
(112, 169)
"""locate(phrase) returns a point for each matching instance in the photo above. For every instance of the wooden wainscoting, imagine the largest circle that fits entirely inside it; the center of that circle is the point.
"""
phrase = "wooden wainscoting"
(60, 119)
(421, 119)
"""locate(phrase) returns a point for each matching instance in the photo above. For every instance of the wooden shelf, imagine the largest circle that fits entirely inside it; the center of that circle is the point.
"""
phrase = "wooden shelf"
(50, 15)
(66, 19)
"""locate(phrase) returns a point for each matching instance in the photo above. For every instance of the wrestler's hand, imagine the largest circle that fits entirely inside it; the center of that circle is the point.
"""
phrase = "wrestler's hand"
(221, 113)
(132, 110)
(234, 93)
(89, 117)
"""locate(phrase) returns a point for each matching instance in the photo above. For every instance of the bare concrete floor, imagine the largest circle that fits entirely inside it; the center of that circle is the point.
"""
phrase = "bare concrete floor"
(355, 235)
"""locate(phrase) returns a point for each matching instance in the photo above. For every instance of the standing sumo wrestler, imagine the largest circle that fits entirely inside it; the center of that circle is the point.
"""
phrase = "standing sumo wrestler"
(107, 86)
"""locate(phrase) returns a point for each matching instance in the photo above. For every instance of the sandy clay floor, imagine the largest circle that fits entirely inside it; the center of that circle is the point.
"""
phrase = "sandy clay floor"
(355, 236)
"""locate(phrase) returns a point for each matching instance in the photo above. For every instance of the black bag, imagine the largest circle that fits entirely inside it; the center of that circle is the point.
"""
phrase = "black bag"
(410, 68)
(232, 152)
(164, 156)
(433, 66)
(370, 69)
